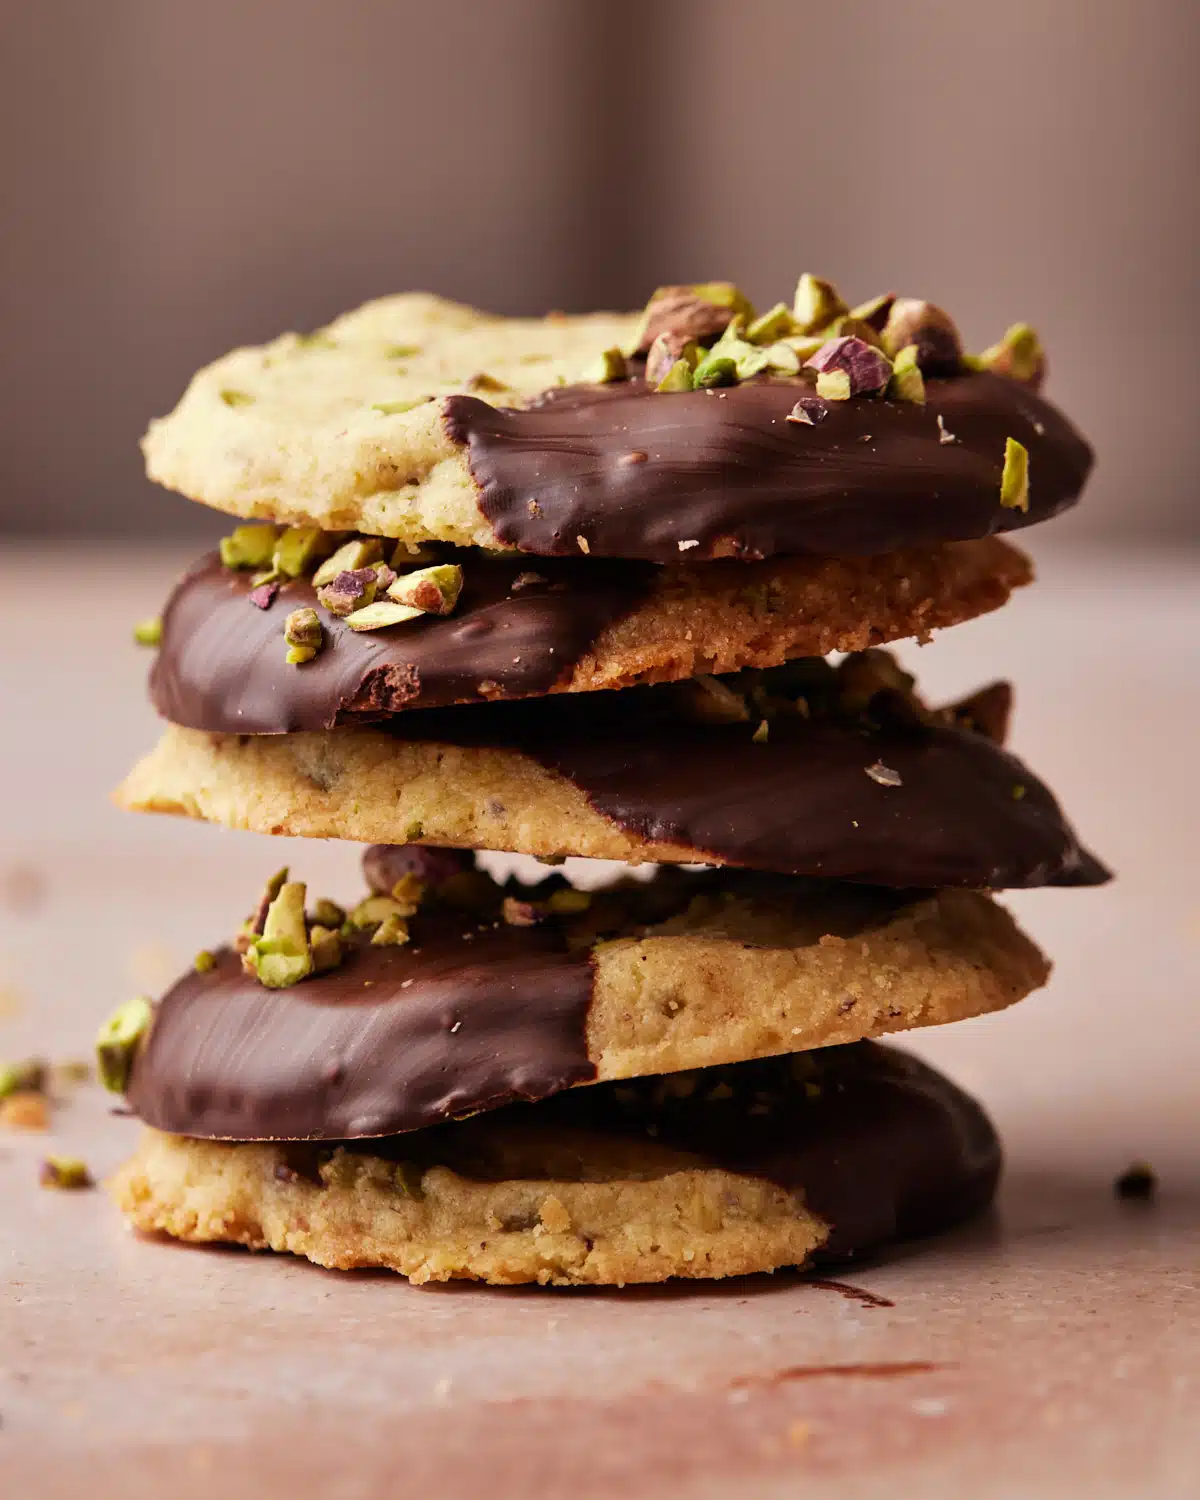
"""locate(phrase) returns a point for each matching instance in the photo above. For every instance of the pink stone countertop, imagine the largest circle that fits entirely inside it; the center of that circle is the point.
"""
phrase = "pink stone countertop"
(1050, 1351)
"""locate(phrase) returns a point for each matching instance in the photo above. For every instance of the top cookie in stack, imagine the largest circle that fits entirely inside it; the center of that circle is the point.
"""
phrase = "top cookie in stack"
(456, 531)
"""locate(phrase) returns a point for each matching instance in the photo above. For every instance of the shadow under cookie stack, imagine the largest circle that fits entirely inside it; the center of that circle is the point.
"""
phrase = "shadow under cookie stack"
(572, 587)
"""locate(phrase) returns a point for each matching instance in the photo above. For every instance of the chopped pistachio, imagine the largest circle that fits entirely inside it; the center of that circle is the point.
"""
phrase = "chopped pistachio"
(568, 901)
(1014, 481)
(327, 913)
(816, 304)
(713, 370)
(349, 591)
(848, 326)
(250, 546)
(875, 310)
(23, 1077)
(374, 910)
(907, 382)
(517, 913)
(236, 398)
(270, 891)
(677, 378)
(1019, 355)
(934, 332)
(204, 962)
(771, 325)
(782, 358)
(298, 549)
(118, 1040)
(349, 557)
(65, 1172)
(665, 352)
(392, 932)
(1018, 791)
(326, 945)
(398, 408)
(148, 632)
(607, 366)
(834, 385)
(282, 956)
(884, 775)
(381, 614)
(303, 632)
(804, 346)
(409, 891)
(713, 701)
(413, 554)
(434, 590)
(762, 733)
(723, 294)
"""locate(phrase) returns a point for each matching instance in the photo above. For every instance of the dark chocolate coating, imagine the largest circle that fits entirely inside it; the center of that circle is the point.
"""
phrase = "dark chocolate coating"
(726, 470)
(353, 1052)
(220, 665)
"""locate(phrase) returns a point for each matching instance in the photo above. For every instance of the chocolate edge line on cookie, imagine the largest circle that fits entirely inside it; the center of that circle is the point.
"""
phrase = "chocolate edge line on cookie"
(622, 470)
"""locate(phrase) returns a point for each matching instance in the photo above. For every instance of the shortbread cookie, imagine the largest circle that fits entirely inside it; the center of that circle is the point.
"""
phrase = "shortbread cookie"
(889, 800)
(422, 420)
(472, 1011)
(715, 1173)
(570, 626)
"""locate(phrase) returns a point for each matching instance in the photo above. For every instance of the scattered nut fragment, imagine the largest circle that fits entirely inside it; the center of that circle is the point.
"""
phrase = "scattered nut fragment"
(1138, 1181)
(762, 734)
(568, 901)
(776, 323)
(945, 436)
(118, 1040)
(714, 370)
(1014, 481)
(349, 557)
(700, 312)
(148, 632)
(1019, 355)
(585, 547)
(392, 932)
(884, 775)
(28, 1076)
(350, 590)
(282, 955)
(65, 1172)
(250, 546)
(326, 913)
(263, 596)
(934, 332)
(666, 353)
(373, 911)
(809, 410)
(874, 311)
(816, 304)
(385, 865)
(849, 367)
(434, 590)
(298, 549)
(258, 917)
(608, 366)
(27, 1109)
(304, 635)
(383, 613)
(518, 913)
(204, 962)
(907, 382)
(326, 945)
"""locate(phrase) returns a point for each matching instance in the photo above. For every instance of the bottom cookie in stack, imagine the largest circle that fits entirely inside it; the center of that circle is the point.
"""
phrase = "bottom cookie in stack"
(513, 1083)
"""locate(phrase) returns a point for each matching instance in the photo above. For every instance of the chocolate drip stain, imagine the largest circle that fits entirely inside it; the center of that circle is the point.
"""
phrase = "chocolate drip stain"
(221, 659)
(392, 1040)
(720, 473)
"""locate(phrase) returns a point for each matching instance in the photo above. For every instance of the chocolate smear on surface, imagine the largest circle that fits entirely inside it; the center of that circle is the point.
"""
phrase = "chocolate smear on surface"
(220, 664)
(727, 469)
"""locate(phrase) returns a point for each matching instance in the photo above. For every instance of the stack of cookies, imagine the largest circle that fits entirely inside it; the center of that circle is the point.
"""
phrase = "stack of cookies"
(572, 587)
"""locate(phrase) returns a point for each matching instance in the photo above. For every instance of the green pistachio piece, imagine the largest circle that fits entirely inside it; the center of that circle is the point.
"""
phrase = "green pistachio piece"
(67, 1173)
(304, 635)
(762, 734)
(434, 590)
(771, 325)
(296, 656)
(204, 962)
(568, 902)
(118, 1040)
(374, 910)
(875, 310)
(1019, 355)
(723, 294)
(816, 304)
(850, 327)
(606, 367)
(28, 1077)
(804, 345)
(398, 408)
(677, 378)
(299, 549)
(282, 956)
(1014, 481)
(713, 370)
(237, 398)
(148, 632)
(328, 913)
(326, 944)
(349, 557)
(392, 932)
(408, 555)
(907, 382)
(782, 358)
(409, 891)
(382, 613)
(249, 546)
(834, 385)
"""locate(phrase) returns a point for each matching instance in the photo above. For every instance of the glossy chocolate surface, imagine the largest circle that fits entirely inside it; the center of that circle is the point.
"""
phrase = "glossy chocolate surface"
(642, 474)
(393, 1039)
(516, 631)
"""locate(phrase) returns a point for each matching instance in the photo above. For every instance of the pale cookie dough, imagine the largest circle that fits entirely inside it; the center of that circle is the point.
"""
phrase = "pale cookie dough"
(293, 431)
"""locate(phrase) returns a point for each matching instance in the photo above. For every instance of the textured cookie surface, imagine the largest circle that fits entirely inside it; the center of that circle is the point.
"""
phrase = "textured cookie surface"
(468, 1016)
(715, 1173)
(574, 625)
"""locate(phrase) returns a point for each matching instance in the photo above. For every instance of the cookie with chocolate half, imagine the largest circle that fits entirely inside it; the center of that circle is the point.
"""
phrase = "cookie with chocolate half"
(569, 625)
(806, 770)
(806, 431)
(719, 1172)
(445, 996)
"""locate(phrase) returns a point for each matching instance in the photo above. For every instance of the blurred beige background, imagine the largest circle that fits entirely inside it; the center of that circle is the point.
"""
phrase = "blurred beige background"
(179, 178)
